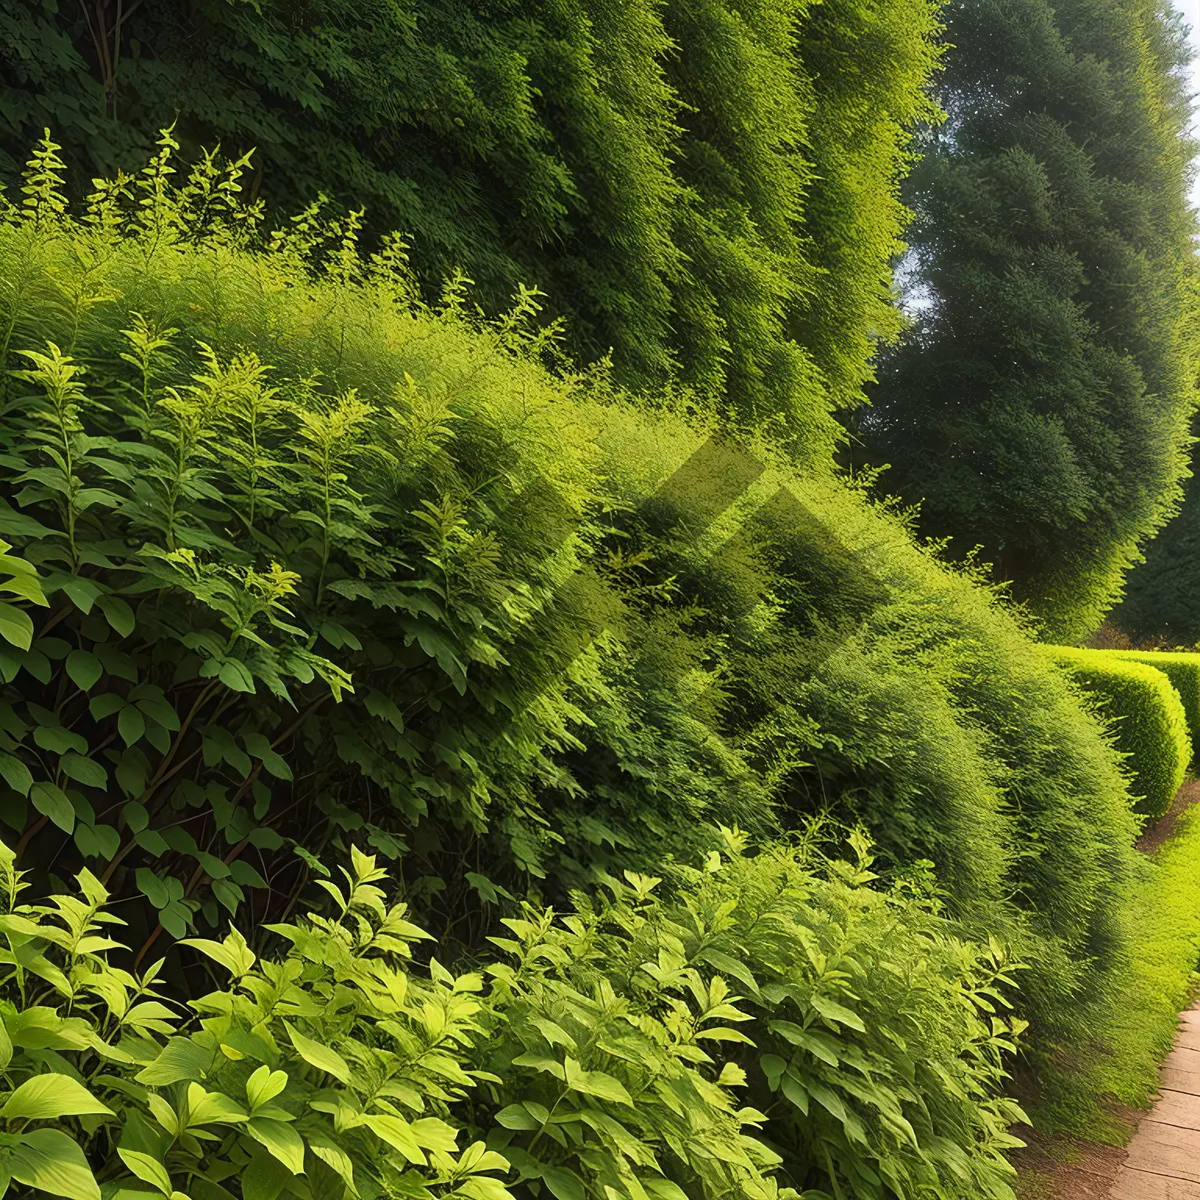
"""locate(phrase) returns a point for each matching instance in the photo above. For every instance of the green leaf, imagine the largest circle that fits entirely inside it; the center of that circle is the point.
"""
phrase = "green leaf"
(131, 724)
(48, 1159)
(135, 816)
(281, 1140)
(263, 1177)
(265, 1085)
(118, 614)
(152, 887)
(773, 1066)
(16, 627)
(795, 1092)
(206, 1108)
(147, 1168)
(15, 773)
(235, 676)
(180, 1059)
(84, 669)
(596, 1083)
(47, 1097)
(663, 1189)
(517, 1116)
(564, 1184)
(321, 1057)
(233, 953)
(330, 1153)
(831, 1010)
(83, 592)
(397, 1133)
(83, 770)
(52, 802)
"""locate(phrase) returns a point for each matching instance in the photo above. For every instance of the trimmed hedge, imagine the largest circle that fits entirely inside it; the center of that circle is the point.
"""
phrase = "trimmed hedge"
(1150, 724)
(1183, 670)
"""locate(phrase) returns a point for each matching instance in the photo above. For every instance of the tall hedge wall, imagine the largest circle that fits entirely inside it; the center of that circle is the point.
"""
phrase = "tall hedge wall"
(706, 187)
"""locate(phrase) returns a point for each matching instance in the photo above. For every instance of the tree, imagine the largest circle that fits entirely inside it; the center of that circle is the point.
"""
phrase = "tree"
(1039, 408)
(651, 166)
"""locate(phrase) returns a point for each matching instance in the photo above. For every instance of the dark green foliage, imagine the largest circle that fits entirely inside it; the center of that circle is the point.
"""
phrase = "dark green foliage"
(773, 1029)
(1162, 595)
(650, 166)
(323, 562)
(1040, 407)
(1146, 715)
(1183, 670)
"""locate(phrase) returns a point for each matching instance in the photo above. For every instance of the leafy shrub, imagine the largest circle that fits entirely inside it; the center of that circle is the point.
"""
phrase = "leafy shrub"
(1147, 717)
(322, 561)
(1183, 670)
(601, 1054)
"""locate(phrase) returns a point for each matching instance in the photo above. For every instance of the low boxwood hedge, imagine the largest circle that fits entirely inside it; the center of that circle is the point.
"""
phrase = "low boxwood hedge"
(1183, 670)
(1147, 715)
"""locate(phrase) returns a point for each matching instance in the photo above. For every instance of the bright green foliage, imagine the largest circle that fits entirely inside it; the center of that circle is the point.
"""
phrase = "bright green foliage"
(604, 1053)
(1146, 715)
(650, 166)
(1040, 407)
(1183, 670)
(1139, 1021)
(323, 561)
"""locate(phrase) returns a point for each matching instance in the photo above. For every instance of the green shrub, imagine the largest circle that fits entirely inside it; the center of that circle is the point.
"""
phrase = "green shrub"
(322, 561)
(1147, 717)
(603, 1052)
(1183, 670)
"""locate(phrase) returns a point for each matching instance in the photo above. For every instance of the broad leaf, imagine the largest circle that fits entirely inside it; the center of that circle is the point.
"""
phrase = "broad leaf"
(48, 1159)
(46, 1097)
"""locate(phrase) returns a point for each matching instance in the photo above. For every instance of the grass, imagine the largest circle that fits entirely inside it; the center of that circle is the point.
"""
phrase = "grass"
(1138, 1020)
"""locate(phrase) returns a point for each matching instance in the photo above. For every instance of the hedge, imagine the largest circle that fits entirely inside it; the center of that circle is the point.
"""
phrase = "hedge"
(335, 564)
(1150, 725)
(1183, 670)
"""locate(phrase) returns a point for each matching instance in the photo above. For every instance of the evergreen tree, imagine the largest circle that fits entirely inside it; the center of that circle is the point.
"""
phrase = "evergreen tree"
(1039, 409)
(1162, 596)
(705, 187)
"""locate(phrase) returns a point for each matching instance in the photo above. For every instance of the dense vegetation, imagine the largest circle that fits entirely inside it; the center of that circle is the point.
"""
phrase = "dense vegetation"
(1147, 714)
(321, 561)
(338, 577)
(1162, 594)
(650, 166)
(600, 1054)
(1040, 409)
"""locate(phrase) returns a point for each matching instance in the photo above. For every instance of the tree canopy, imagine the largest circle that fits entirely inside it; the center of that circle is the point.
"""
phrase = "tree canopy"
(1040, 407)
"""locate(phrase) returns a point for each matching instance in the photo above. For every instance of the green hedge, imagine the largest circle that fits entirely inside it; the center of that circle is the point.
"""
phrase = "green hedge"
(1183, 670)
(1149, 721)
(287, 483)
